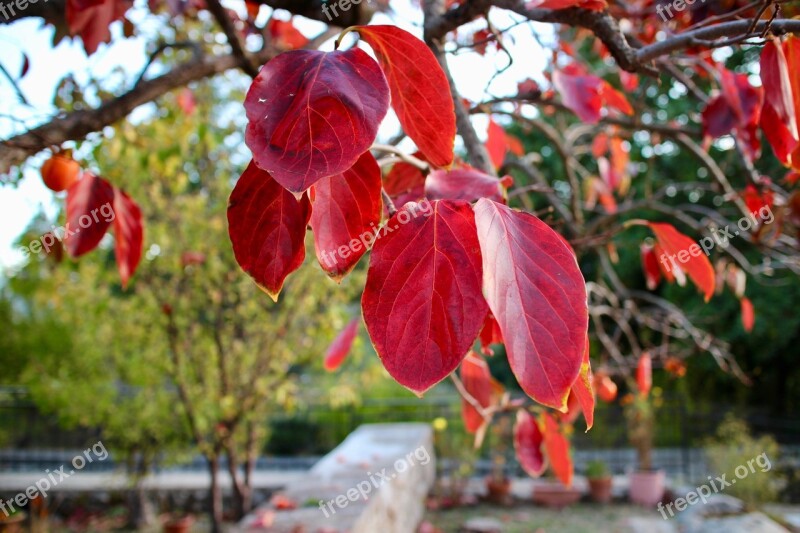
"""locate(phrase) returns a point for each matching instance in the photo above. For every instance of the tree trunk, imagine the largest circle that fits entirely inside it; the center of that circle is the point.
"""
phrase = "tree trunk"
(215, 494)
(241, 494)
(140, 509)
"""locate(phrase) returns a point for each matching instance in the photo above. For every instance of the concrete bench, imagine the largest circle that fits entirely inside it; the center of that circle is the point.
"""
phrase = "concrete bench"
(376, 480)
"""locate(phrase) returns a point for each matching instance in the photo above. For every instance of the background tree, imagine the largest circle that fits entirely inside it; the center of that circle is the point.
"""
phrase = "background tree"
(190, 337)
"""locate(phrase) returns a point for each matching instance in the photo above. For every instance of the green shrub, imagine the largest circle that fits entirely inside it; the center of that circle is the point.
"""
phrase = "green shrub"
(596, 470)
(734, 447)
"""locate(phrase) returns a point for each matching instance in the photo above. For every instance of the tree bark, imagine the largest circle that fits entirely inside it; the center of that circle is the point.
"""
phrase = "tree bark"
(215, 494)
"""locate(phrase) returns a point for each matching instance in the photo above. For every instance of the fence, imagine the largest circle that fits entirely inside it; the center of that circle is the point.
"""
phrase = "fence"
(32, 439)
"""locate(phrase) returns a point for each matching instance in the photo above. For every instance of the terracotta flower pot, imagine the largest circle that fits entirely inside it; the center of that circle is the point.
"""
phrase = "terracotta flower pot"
(600, 489)
(179, 525)
(498, 491)
(647, 487)
(555, 495)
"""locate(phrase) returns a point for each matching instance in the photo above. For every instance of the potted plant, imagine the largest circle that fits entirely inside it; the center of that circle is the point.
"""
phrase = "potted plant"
(646, 483)
(13, 522)
(498, 484)
(542, 444)
(454, 468)
(599, 479)
(179, 523)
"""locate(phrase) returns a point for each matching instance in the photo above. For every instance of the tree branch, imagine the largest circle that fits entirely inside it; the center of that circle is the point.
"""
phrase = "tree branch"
(78, 124)
(734, 28)
(224, 20)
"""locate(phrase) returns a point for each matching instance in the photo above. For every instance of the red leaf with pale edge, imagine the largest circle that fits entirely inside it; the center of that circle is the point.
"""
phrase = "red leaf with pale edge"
(496, 143)
(477, 382)
(644, 374)
(91, 19)
(85, 224)
(778, 118)
(312, 114)
(128, 235)
(267, 227)
(556, 446)
(422, 302)
(420, 92)
(748, 314)
(467, 184)
(677, 247)
(573, 409)
(346, 210)
(341, 345)
(582, 389)
(538, 296)
(528, 441)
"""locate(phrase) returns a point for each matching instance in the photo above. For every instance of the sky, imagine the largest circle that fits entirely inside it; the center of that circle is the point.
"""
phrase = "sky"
(48, 65)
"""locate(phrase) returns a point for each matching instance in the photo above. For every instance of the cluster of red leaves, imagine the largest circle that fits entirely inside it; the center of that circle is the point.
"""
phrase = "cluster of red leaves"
(91, 20)
(451, 265)
(93, 206)
(588, 95)
(780, 75)
(736, 110)
(676, 256)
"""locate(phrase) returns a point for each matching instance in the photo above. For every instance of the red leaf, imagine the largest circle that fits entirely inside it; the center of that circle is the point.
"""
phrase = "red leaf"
(679, 248)
(515, 145)
(582, 389)
(285, 35)
(477, 381)
(791, 48)
(26, 65)
(496, 143)
(738, 107)
(405, 182)
(652, 272)
(537, 294)
(755, 200)
(186, 101)
(778, 118)
(630, 82)
(490, 334)
(341, 345)
(345, 214)
(718, 119)
(420, 91)
(87, 199)
(481, 39)
(422, 303)
(466, 183)
(267, 227)
(644, 374)
(748, 314)
(128, 235)
(586, 94)
(605, 387)
(312, 114)
(528, 441)
(557, 447)
(91, 20)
